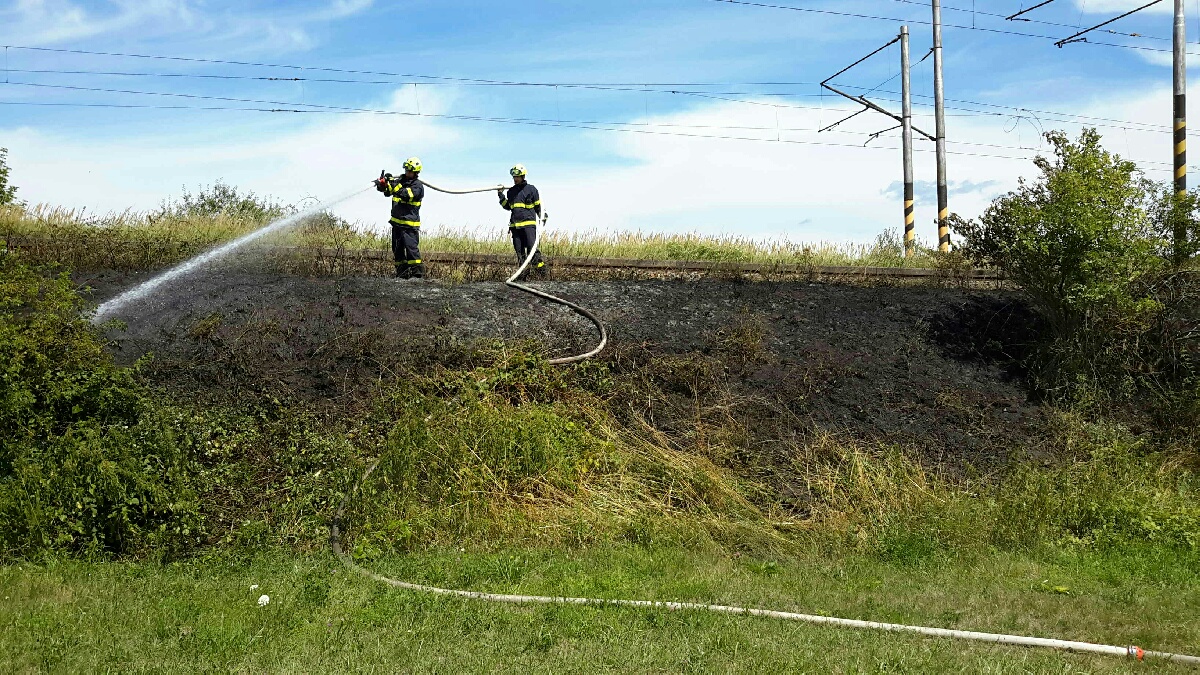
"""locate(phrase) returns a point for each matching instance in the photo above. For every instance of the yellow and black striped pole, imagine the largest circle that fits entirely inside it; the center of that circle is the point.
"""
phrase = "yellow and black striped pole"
(1180, 146)
(1179, 104)
(910, 223)
(1180, 100)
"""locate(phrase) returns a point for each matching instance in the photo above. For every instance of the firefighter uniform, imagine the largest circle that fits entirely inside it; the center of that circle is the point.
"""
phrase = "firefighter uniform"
(526, 205)
(406, 194)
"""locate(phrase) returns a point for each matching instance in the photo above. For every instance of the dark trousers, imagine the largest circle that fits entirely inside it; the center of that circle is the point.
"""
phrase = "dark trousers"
(406, 241)
(523, 238)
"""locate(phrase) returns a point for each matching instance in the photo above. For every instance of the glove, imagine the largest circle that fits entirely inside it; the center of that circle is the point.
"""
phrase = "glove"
(545, 216)
(500, 193)
(382, 183)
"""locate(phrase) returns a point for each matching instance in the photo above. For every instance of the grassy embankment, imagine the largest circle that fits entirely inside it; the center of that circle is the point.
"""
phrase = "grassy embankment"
(136, 519)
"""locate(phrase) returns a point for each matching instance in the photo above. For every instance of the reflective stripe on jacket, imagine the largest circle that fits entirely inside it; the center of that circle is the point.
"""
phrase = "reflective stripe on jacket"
(406, 201)
(524, 202)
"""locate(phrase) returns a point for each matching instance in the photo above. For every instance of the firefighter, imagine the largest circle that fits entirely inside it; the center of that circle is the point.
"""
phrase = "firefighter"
(523, 201)
(406, 193)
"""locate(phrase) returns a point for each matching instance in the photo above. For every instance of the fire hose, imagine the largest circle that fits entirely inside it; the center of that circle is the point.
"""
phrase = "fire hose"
(514, 283)
(335, 537)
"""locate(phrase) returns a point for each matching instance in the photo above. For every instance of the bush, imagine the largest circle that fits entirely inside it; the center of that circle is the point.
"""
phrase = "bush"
(8, 192)
(1087, 243)
(220, 199)
(86, 462)
(1115, 494)
(1076, 238)
(1177, 217)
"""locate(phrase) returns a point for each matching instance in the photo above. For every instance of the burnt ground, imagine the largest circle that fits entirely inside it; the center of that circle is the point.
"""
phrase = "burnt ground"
(920, 367)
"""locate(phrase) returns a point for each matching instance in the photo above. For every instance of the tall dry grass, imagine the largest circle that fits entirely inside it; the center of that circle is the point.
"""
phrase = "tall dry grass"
(134, 241)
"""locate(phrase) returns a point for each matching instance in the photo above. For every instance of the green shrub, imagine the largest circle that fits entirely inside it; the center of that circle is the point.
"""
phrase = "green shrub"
(220, 199)
(86, 461)
(8, 192)
(1115, 495)
(1177, 217)
(1088, 243)
(1075, 238)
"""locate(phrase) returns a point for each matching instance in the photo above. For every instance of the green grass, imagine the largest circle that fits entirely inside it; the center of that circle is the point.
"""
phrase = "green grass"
(203, 615)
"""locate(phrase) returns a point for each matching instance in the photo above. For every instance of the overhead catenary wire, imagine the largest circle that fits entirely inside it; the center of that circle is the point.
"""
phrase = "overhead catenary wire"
(1053, 116)
(1078, 37)
(423, 78)
(627, 127)
(1013, 17)
(1067, 117)
(1043, 22)
(999, 31)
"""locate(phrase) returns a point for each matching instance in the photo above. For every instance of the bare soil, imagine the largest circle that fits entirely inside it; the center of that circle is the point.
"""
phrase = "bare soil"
(925, 368)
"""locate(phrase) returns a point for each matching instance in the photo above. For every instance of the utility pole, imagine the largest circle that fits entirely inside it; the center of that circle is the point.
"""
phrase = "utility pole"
(905, 120)
(943, 195)
(910, 233)
(1180, 104)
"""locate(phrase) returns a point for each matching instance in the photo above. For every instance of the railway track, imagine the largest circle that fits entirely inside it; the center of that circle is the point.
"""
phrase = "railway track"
(47, 249)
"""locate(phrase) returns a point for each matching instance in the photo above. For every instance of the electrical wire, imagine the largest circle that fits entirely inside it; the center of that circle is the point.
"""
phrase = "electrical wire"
(1068, 118)
(618, 86)
(998, 31)
(644, 127)
(580, 124)
(925, 3)
(593, 126)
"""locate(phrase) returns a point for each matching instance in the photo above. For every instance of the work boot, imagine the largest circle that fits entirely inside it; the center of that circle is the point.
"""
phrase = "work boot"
(403, 272)
(417, 271)
(542, 269)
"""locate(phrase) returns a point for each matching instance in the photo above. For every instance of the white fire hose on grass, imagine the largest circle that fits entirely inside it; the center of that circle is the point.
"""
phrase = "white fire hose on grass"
(335, 538)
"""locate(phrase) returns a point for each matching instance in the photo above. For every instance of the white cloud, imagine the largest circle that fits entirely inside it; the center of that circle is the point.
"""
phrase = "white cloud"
(47, 22)
(657, 183)
(339, 9)
(1116, 7)
(42, 22)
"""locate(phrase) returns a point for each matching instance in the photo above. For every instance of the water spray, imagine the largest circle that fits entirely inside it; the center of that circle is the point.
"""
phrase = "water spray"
(139, 292)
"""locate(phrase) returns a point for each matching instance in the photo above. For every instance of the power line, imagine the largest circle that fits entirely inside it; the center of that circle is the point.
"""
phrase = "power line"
(624, 87)
(620, 86)
(1078, 37)
(284, 106)
(1063, 117)
(980, 12)
(856, 15)
(424, 79)
(635, 127)
(1027, 10)
(578, 124)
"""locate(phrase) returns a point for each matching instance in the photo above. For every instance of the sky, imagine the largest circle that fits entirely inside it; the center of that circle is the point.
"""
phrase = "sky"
(631, 115)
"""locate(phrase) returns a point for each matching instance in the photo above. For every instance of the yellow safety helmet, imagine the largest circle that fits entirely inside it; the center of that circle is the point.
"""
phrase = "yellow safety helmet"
(518, 170)
(413, 164)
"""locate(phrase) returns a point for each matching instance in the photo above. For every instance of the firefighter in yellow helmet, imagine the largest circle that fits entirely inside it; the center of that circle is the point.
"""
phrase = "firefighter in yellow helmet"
(525, 205)
(406, 192)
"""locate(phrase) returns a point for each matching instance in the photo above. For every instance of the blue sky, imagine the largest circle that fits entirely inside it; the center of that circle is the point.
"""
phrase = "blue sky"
(790, 183)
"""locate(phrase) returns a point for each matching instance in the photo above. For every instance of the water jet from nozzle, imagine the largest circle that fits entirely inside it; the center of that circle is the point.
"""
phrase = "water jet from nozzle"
(144, 289)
